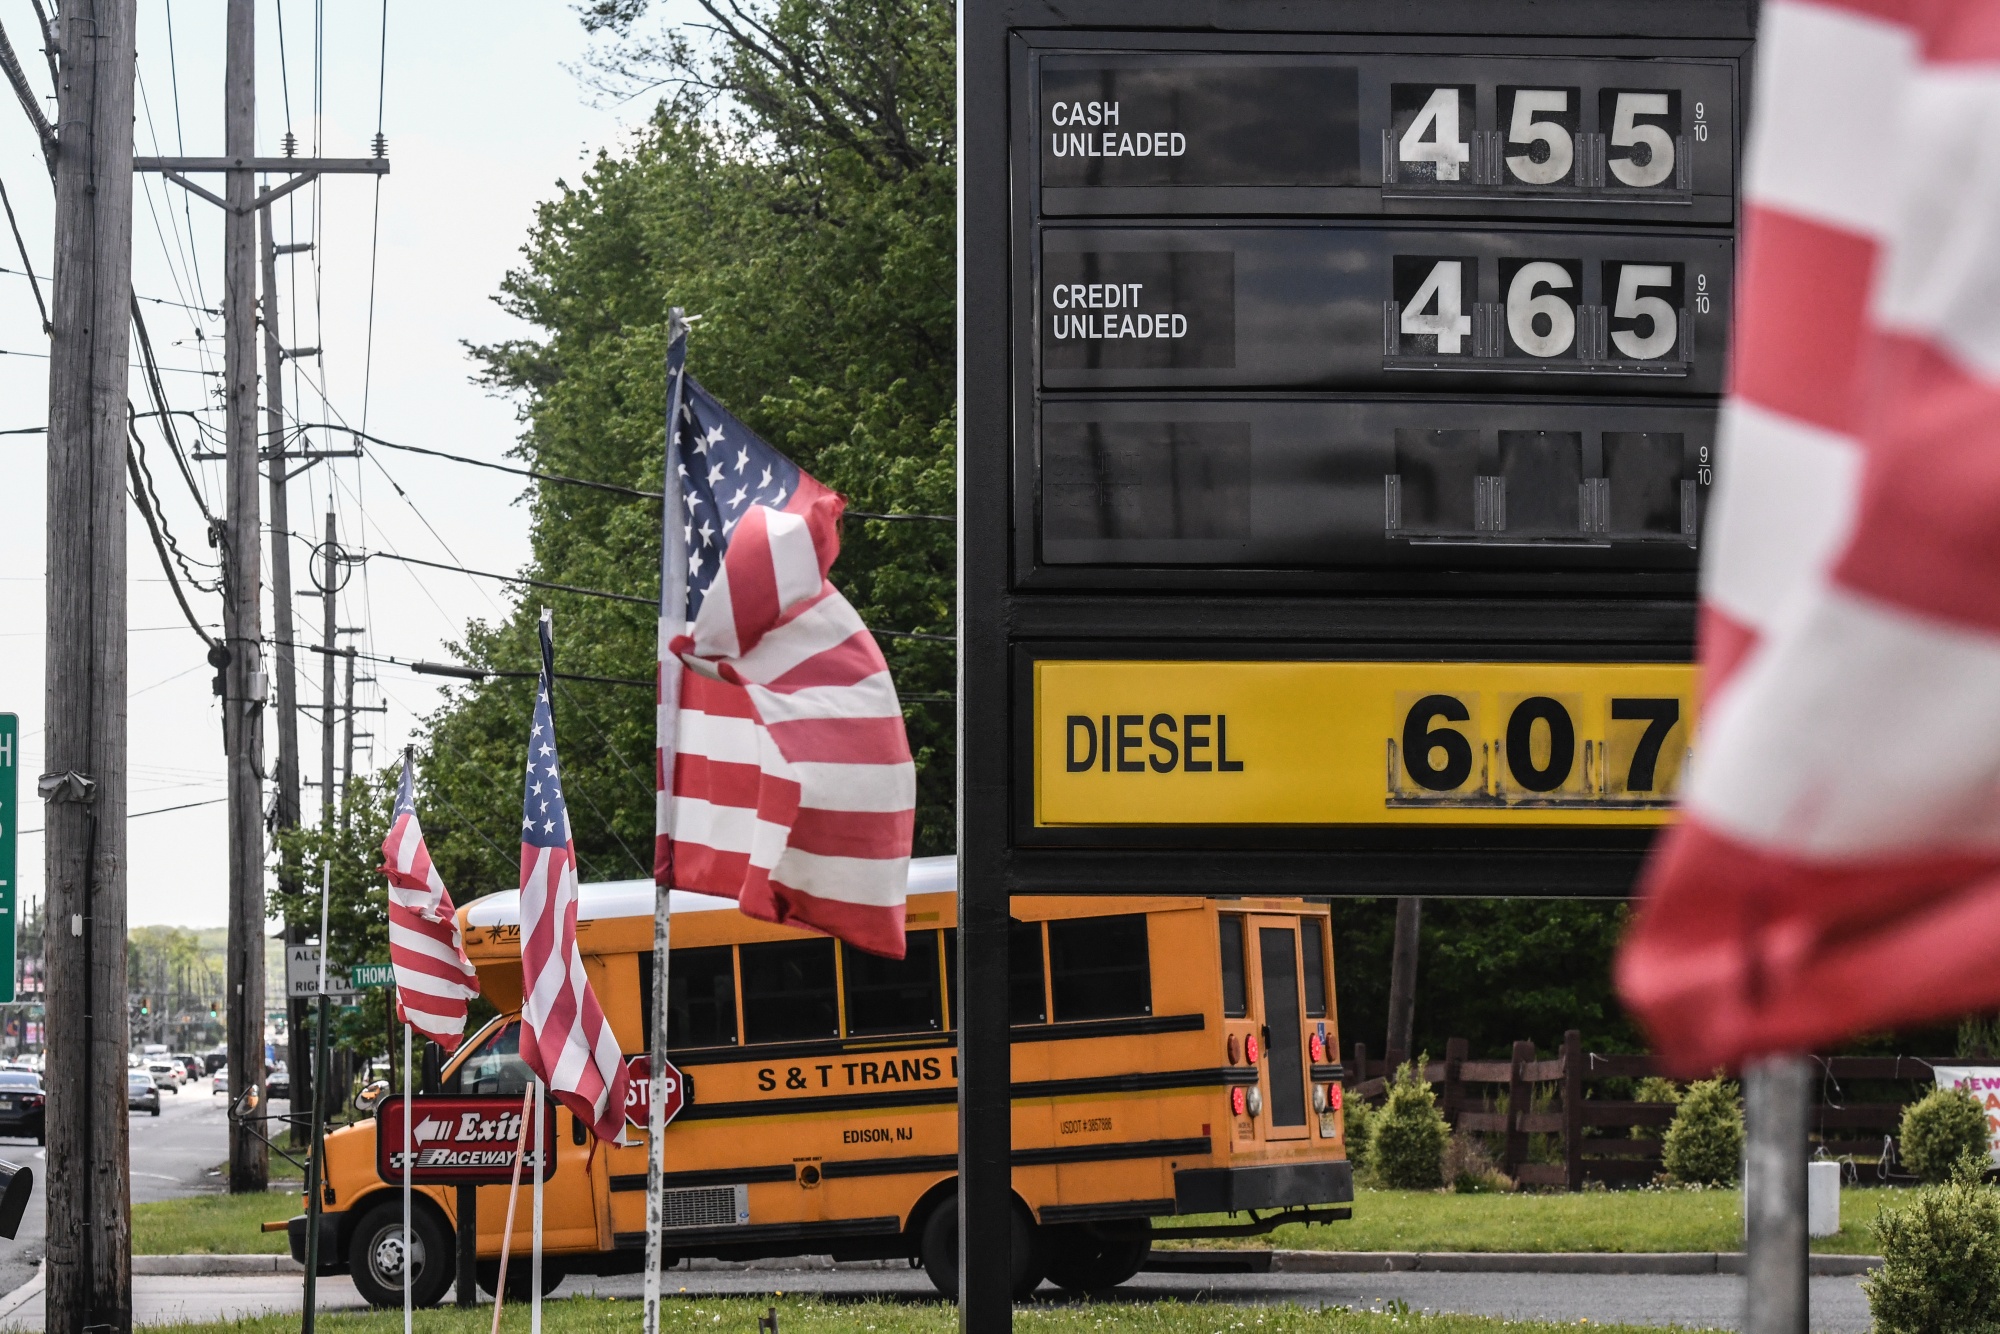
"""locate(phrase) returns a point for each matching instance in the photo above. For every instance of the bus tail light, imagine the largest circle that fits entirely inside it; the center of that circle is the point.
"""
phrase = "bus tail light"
(1250, 1049)
(1256, 1101)
(1333, 1096)
(1237, 1102)
(1235, 1053)
(1319, 1098)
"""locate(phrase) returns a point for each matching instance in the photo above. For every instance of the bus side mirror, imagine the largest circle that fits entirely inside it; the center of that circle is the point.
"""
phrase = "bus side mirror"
(371, 1096)
(433, 1071)
(17, 1183)
(247, 1104)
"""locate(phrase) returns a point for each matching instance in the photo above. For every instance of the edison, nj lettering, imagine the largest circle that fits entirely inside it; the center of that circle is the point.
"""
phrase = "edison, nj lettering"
(1132, 743)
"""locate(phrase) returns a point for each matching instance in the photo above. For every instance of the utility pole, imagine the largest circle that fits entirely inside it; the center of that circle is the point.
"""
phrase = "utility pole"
(243, 677)
(89, 1220)
(347, 734)
(286, 817)
(1403, 981)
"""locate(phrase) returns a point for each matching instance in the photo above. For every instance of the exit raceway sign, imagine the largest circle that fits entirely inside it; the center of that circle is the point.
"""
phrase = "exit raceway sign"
(460, 1141)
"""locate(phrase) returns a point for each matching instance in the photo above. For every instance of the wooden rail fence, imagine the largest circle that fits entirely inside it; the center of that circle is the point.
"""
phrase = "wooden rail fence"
(1596, 1137)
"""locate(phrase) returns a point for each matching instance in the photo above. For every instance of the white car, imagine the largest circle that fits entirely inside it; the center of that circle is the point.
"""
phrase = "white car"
(169, 1075)
(219, 1084)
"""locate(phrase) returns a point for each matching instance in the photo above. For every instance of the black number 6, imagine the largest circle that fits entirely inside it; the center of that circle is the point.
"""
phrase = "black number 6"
(1660, 716)
(1420, 739)
(1520, 744)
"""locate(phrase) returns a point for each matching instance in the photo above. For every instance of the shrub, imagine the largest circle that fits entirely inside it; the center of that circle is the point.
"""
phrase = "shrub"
(1470, 1170)
(1940, 1257)
(1359, 1126)
(1407, 1149)
(1938, 1130)
(1704, 1145)
(1654, 1088)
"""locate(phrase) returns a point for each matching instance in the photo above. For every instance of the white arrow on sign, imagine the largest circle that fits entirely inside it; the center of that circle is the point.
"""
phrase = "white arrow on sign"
(429, 1129)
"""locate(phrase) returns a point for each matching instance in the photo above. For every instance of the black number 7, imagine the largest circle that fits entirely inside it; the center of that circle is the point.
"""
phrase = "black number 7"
(1660, 715)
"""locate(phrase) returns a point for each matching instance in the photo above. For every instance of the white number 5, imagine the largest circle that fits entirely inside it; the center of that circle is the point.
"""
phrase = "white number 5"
(1440, 114)
(1626, 132)
(1525, 129)
(1666, 324)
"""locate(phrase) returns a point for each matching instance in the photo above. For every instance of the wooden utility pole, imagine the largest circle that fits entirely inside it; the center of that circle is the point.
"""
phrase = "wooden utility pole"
(89, 1280)
(329, 641)
(244, 682)
(286, 814)
(1403, 981)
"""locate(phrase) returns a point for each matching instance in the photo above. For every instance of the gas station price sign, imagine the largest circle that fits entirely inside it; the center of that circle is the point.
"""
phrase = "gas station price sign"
(1338, 437)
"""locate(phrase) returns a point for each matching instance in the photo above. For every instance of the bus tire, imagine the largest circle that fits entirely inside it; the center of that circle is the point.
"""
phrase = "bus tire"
(375, 1255)
(519, 1272)
(1089, 1258)
(938, 1249)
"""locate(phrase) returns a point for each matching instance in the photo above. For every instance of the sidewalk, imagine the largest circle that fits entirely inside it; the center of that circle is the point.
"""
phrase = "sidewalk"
(194, 1288)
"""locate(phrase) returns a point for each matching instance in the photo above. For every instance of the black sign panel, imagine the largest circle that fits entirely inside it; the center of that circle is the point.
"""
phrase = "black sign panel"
(1344, 306)
(1385, 484)
(1166, 132)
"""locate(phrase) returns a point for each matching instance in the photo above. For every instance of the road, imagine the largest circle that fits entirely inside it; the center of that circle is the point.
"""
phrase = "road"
(172, 1154)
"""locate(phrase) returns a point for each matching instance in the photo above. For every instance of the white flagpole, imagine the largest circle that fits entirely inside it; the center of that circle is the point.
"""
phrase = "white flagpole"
(409, 1160)
(673, 614)
(535, 1263)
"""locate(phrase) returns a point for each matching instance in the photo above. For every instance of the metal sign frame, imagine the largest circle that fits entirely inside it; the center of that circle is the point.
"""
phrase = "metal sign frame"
(1017, 608)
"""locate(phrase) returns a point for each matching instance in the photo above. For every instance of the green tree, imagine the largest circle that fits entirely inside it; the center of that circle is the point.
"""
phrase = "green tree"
(1704, 1145)
(797, 192)
(1938, 1130)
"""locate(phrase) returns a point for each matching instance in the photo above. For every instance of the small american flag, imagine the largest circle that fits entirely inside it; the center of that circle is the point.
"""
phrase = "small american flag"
(564, 1037)
(1837, 867)
(792, 789)
(434, 979)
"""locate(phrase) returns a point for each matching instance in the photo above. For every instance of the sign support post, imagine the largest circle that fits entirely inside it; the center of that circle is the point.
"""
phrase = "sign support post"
(1777, 1096)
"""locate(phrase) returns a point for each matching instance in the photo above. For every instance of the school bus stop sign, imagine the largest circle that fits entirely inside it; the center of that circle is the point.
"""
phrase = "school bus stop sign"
(639, 1093)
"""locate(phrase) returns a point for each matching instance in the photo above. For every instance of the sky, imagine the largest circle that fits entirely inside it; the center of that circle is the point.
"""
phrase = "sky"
(485, 110)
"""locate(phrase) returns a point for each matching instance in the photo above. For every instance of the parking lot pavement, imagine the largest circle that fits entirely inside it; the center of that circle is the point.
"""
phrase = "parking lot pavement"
(1697, 1301)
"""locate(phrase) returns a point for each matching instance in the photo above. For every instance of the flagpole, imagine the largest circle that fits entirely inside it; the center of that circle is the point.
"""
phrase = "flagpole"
(535, 1263)
(513, 1198)
(1777, 1095)
(673, 615)
(409, 1159)
(316, 1164)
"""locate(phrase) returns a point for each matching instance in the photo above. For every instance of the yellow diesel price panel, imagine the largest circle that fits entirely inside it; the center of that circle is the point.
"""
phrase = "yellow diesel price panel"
(1138, 743)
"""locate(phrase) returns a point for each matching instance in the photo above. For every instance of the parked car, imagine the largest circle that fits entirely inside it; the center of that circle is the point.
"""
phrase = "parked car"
(189, 1063)
(141, 1093)
(23, 1105)
(166, 1074)
(219, 1082)
(278, 1083)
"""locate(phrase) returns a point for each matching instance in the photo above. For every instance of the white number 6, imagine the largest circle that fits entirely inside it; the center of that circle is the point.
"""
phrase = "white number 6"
(1523, 306)
(1626, 132)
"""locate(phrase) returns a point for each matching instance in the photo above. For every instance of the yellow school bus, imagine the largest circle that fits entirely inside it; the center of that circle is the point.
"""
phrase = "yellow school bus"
(1170, 1056)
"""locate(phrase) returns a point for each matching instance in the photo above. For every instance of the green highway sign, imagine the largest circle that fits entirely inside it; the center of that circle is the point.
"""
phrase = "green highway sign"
(371, 975)
(10, 805)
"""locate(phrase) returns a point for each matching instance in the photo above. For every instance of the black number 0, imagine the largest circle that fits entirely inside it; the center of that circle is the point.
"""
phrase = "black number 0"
(1420, 739)
(1520, 744)
(1660, 715)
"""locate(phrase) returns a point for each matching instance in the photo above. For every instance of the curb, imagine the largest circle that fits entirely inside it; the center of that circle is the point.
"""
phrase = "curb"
(212, 1265)
(1481, 1262)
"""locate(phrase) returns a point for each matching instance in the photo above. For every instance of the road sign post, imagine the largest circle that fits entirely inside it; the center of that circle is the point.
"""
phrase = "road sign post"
(1338, 392)
(10, 810)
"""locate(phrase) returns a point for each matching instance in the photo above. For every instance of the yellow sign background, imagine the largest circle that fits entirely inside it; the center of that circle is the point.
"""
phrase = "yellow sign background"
(1314, 742)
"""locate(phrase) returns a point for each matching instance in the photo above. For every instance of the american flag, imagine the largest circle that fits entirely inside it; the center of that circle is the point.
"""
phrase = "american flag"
(1838, 866)
(792, 790)
(564, 1037)
(434, 979)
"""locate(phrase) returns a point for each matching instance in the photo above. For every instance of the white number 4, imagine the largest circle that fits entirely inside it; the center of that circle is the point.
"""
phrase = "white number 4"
(1444, 290)
(1440, 116)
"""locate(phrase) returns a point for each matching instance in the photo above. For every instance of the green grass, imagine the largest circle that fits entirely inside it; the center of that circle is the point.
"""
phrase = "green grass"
(1614, 1220)
(212, 1225)
(738, 1315)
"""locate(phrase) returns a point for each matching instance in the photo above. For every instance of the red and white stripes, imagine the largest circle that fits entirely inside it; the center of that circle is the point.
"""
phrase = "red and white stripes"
(1838, 866)
(793, 787)
(434, 978)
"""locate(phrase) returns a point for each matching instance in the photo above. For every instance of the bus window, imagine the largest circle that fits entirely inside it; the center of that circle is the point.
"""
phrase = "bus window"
(1099, 967)
(1235, 995)
(1027, 997)
(701, 997)
(1281, 1025)
(495, 1067)
(1314, 949)
(788, 991)
(891, 995)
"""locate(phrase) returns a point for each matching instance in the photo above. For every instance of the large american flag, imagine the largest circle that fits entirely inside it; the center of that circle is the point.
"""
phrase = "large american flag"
(564, 1037)
(792, 789)
(434, 979)
(1838, 866)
